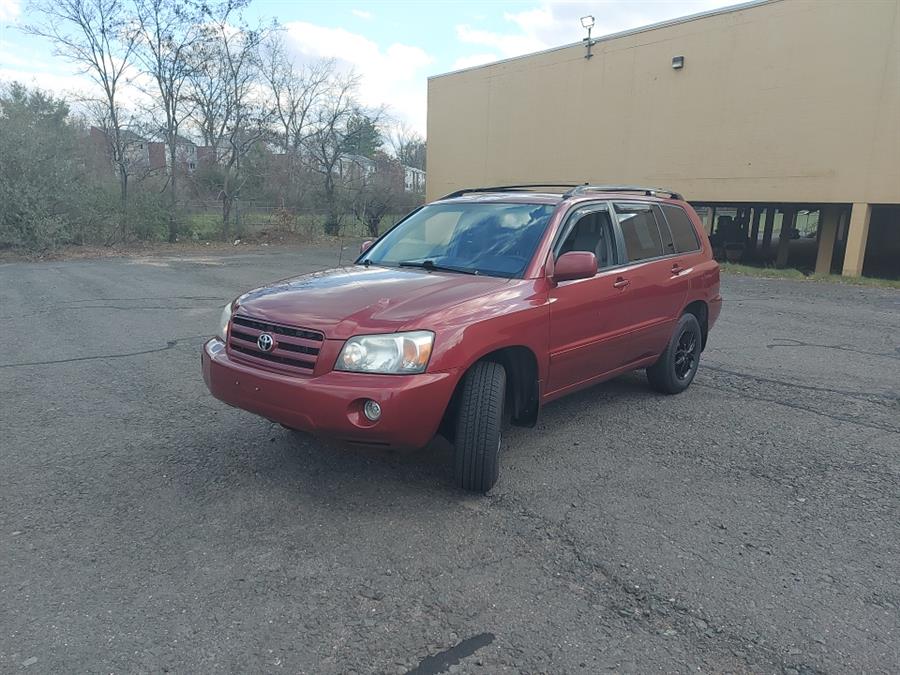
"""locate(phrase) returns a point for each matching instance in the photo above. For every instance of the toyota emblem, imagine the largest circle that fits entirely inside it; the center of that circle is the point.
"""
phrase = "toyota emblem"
(265, 342)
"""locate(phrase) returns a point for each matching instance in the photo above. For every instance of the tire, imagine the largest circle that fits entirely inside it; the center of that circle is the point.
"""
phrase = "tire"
(479, 421)
(677, 366)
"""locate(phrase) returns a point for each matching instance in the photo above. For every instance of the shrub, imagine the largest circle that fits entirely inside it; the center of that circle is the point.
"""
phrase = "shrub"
(39, 176)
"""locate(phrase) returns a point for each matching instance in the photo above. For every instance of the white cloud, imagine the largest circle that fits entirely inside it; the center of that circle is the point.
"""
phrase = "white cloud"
(57, 83)
(77, 88)
(474, 60)
(10, 10)
(511, 44)
(33, 67)
(394, 76)
(11, 58)
(362, 14)
(534, 21)
(557, 23)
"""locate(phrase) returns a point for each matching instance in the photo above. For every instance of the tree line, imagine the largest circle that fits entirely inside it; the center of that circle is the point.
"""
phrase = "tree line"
(272, 127)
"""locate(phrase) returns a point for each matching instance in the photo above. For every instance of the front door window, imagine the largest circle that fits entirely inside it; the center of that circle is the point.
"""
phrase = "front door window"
(591, 231)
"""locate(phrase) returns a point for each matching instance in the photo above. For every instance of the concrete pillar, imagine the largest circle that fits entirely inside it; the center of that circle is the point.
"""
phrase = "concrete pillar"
(754, 228)
(788, 220)
(857, 236)
(768, 229)
(712, 220)
(828, 227)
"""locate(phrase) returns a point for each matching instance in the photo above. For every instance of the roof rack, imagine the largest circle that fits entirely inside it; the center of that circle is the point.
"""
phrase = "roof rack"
(509, 188)
(571, 189)
(648, 191)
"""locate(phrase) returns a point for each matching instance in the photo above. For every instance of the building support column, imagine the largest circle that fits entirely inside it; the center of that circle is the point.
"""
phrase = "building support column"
(768, 229)
(857, 236)
(754, 229)
(788, 221)
(828, 226)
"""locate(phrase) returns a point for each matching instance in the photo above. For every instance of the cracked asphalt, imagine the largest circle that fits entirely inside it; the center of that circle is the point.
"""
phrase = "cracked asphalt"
(751, 524)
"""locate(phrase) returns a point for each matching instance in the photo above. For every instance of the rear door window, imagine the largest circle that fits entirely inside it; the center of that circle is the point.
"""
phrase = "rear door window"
(667, 243)
(683, 233)
(639, 231)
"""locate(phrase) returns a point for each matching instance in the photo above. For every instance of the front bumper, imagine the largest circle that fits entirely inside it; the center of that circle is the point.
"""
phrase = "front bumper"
(331, 404)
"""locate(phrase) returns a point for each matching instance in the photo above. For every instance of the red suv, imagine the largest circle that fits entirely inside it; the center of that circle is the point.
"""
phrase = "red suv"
(478, 307)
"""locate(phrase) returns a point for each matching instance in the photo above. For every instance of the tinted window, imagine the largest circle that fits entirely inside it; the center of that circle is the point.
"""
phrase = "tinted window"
(683, 232)
(640, 231)
(667, 243)
(592, 232)
(487, 238)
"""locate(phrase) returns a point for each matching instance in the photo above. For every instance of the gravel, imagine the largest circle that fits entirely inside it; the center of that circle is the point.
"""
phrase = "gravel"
(751, 524)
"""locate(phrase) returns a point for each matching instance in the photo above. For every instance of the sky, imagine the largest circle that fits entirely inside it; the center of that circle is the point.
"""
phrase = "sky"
(394, 46)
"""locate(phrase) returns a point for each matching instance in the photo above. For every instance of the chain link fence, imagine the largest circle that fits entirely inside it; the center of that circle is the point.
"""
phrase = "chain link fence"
(203, 220)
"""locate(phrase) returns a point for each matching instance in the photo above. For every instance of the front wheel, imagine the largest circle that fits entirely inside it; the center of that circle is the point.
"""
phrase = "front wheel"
(676, 367)
(478, 425)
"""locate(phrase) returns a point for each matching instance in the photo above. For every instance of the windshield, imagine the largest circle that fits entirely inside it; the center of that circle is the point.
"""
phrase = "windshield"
(474, 238)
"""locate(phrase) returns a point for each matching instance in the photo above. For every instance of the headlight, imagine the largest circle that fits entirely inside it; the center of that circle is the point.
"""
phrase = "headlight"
(395, 354)
(223, 322)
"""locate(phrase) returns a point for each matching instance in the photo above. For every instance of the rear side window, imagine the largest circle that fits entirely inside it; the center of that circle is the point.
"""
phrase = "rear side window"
(683, 233)
(640, 231)
(668, 244)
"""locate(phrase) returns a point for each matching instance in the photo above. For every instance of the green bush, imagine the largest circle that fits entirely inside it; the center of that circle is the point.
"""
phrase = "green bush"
(148, 216)
(39, 176)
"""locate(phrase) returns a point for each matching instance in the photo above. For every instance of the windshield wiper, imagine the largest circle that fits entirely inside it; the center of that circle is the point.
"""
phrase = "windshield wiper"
(431, 265)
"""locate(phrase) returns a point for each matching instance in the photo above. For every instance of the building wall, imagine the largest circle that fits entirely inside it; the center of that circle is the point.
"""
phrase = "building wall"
(157, 155)
(784, 101)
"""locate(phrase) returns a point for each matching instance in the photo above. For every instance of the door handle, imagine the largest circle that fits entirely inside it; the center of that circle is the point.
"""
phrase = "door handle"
(621, 282)
(677, 269)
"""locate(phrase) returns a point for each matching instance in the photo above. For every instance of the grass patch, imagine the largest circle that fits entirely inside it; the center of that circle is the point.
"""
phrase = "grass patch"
(207, 225)
(797, 275)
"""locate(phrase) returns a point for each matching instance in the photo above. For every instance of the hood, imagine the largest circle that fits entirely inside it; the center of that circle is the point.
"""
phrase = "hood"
(349, 301)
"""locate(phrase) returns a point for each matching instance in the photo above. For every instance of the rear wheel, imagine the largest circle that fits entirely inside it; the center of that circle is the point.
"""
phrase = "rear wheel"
(479, 423)
(676, 367)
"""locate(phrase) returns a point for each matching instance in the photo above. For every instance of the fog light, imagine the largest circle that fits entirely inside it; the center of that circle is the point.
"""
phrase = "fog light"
(372, 410)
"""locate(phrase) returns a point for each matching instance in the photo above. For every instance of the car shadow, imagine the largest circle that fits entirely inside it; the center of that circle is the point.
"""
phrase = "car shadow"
(265, 456)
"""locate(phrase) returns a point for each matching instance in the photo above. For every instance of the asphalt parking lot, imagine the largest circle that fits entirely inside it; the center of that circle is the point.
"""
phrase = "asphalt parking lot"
(751, 524)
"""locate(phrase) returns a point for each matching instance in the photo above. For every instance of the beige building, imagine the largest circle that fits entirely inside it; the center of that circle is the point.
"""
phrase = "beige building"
(782, 119)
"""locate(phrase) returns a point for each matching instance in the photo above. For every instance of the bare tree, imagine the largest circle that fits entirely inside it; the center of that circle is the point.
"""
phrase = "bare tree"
(207, 91)
(296, 91)
(169, 32)
(96, 35)
(334, 135)
(236, 46)
(380, 194)
(408, 146)
(133, 161)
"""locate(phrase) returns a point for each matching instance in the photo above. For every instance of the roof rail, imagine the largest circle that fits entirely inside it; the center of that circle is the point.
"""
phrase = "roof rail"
(648, 191)
(508, 188)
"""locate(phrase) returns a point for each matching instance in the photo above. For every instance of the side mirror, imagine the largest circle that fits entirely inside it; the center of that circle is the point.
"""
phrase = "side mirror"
(365, 246)
(575, 265)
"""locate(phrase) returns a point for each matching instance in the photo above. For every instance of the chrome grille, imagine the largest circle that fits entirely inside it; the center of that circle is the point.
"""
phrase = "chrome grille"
(296, 350)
